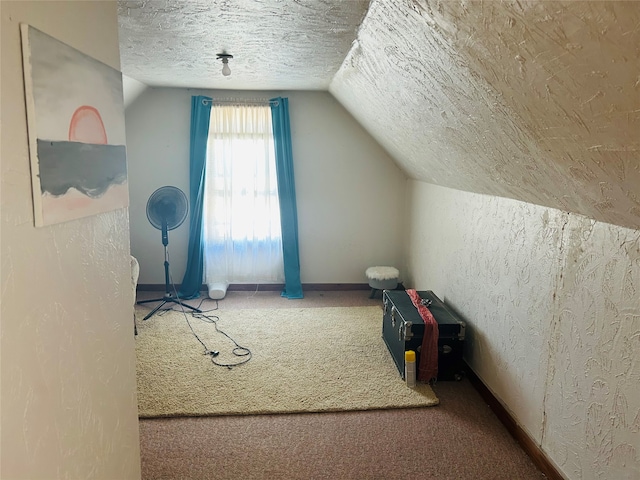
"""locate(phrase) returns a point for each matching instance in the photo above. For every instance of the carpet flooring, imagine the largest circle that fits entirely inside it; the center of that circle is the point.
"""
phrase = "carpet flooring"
(459, 439)
(302, 360)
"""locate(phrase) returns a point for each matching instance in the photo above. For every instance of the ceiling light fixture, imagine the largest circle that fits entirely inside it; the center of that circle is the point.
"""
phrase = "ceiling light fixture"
(226, 71)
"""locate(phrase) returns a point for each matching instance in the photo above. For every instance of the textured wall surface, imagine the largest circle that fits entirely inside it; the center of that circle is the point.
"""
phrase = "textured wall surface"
(536, 101)
(288, 44)
(68, 393)
(592, 404)
(552, 302)
(345, 185)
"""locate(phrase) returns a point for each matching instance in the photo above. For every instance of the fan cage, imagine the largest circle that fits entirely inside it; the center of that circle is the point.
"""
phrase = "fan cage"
(167, 204)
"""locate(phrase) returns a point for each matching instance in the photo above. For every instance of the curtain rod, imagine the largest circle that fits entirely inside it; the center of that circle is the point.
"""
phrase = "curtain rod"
(240, 101)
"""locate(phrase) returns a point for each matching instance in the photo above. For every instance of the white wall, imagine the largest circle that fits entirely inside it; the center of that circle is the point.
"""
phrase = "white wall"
(131, 89)
(350, 194)
(68, 395)
(552, 301)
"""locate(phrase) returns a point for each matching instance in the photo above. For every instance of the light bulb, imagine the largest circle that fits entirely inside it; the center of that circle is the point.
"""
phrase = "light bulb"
(226, 71)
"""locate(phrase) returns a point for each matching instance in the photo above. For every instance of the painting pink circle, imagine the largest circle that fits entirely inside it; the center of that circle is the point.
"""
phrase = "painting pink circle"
(86, 126)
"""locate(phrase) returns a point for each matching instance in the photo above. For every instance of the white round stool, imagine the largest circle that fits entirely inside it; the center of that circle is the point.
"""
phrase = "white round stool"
(382, 278)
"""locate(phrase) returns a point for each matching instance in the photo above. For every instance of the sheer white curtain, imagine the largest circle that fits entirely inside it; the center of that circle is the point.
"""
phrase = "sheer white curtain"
(242, 235)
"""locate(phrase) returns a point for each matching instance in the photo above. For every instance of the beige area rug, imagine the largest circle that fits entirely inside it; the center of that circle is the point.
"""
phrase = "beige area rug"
(303, 360)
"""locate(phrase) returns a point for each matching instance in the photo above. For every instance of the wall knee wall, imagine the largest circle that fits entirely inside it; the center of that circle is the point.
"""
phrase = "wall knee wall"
(553, 305)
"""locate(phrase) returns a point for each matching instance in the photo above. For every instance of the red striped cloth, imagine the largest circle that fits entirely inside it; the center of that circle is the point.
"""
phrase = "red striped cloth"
(428, 367)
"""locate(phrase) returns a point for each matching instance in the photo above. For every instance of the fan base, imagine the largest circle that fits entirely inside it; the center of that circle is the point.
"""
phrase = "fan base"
(166, 299)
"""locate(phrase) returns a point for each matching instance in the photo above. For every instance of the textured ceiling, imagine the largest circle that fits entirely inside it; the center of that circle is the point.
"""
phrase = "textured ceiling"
(535, 101)
(276, 44)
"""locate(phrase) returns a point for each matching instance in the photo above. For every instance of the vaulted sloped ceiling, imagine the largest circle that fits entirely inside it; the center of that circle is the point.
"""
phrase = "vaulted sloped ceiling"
(535, 101)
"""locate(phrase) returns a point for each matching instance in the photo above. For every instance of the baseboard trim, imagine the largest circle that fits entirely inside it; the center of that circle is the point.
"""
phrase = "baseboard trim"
(530, 447)
(335, 286)
(265, 287)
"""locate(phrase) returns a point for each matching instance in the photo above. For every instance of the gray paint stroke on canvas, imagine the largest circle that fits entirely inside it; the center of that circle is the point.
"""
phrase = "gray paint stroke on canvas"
(90, 169)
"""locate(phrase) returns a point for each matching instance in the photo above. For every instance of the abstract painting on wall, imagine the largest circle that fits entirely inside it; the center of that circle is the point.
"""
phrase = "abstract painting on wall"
(75, 114)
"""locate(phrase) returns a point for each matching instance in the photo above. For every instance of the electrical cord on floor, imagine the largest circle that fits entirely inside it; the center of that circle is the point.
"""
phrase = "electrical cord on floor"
(211, 309)
(238, 350)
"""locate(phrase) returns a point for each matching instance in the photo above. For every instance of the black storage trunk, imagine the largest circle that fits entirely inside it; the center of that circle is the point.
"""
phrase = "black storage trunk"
(403, 329)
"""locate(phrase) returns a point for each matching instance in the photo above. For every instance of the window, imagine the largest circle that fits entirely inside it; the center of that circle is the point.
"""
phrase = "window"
(242, 233)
